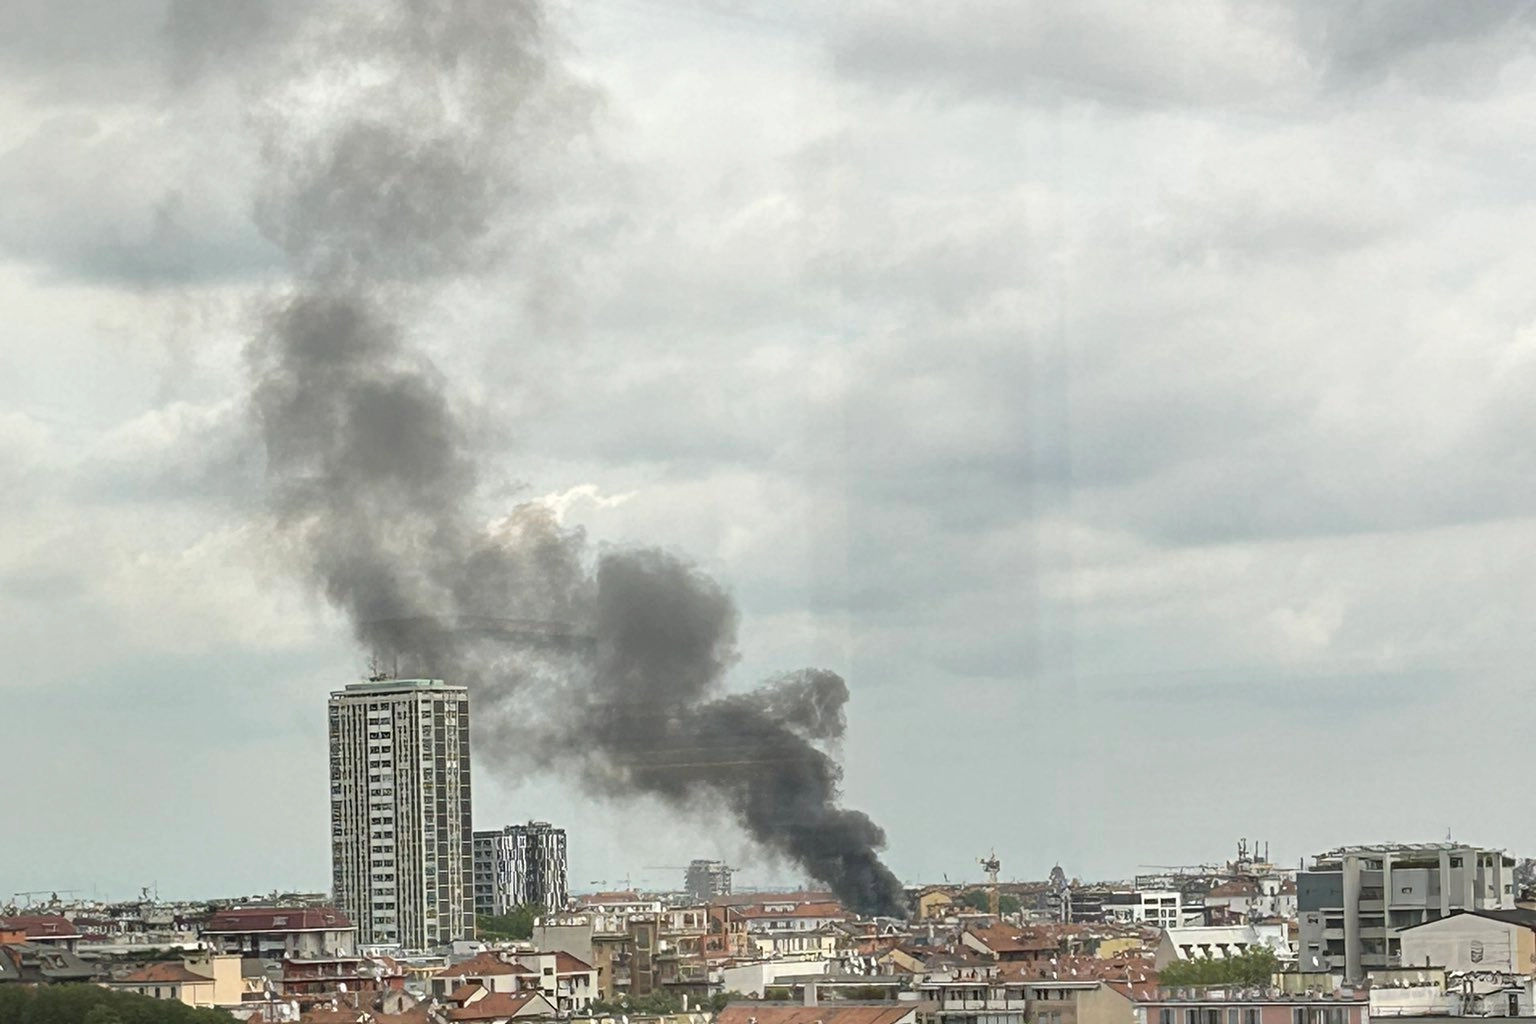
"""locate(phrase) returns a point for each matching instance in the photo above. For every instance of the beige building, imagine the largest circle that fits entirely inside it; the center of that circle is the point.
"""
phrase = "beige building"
(1502, 941)
(206, 981)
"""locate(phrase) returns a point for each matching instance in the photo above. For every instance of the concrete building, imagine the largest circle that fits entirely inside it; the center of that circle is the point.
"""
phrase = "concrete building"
(401, 834)
(980, 995)
(1235, 1005)
(207, 981)
(276, 932)
(1471, 941)
(832, 1012)
(44, 930)
(1355, 901)
(518, 865)
(707, 879)
(1218, 942)
(1160, 908)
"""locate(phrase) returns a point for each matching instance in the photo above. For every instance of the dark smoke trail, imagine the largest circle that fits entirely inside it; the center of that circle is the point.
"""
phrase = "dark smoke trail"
(397, 137)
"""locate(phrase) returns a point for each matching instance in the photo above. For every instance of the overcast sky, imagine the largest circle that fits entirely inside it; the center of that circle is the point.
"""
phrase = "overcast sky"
(1133, 401)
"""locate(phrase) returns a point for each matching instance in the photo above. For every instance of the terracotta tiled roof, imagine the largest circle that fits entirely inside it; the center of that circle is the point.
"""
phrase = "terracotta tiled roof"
(1080, 968)
(326, 1015)
(494, 1006)
(1236, 887)
(483, 965)
(463, 992)
(241, 920)
(41, 926)
(163, 974)
(565, 963)
(1002, 939)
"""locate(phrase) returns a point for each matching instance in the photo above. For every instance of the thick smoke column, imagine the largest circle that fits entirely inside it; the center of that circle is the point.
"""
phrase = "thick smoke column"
(398, 138)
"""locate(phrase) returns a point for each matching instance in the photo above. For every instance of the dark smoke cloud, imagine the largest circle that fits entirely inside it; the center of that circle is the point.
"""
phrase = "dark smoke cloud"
(397, 139)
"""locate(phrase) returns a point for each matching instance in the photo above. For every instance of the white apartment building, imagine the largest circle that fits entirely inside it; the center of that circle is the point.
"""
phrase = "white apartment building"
(401, 837)
(1161, 908)
(518, 865)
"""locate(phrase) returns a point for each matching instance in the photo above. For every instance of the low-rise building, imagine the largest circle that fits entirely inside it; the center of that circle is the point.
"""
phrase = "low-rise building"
(308, 978)
(44, 929)
(1160, 908)
(973, 994)
(1003, 943)
(32, 963)
(208, 981)
(1218, 942)
(1237, 1005)
(482, 1006)
(570, 984)
(494, 971)
(278, 932)
(1490, 941)
(1354, 902)
(825, 1013)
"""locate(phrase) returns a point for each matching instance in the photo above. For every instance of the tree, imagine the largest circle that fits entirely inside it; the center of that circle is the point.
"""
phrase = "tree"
(101, 1013)
(976, 899)
(508, 927)
(1255, 966)
(90, 1004)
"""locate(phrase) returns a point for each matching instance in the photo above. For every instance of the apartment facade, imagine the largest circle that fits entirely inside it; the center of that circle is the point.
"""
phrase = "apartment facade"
(401, 835)
(707, 879)
(1355, 901)
(519, 865)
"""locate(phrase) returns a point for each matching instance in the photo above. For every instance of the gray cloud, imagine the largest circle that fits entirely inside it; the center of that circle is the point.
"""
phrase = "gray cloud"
(1161, 375)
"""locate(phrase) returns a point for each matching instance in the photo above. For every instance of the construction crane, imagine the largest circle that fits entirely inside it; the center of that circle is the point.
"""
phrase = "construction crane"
(991, 865)
(52, 894)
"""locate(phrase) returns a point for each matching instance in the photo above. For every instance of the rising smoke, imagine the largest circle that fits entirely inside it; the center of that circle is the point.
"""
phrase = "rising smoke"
(397, 142)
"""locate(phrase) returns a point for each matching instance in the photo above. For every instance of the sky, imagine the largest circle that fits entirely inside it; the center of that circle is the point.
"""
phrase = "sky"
(1131, 400)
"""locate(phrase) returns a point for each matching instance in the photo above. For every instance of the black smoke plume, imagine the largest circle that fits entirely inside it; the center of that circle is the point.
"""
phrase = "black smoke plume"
(400, 140)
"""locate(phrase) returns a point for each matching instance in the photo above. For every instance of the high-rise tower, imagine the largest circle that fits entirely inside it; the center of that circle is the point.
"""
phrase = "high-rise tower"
(518, 865)
(401, 837)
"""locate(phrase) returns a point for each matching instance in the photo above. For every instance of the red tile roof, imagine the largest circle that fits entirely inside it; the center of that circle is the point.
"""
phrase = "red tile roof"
(41, 926)
(463, 992)
(565, 963)
(163, 974)
(1080, 968)
(494, 1006)
(483, 965)
(243, 920)
(1002, 939)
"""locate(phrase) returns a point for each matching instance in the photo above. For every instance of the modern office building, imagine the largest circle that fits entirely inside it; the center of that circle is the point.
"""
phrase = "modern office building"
(1355, 900)
(519, 865)
(707, 879)
(401, 835)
